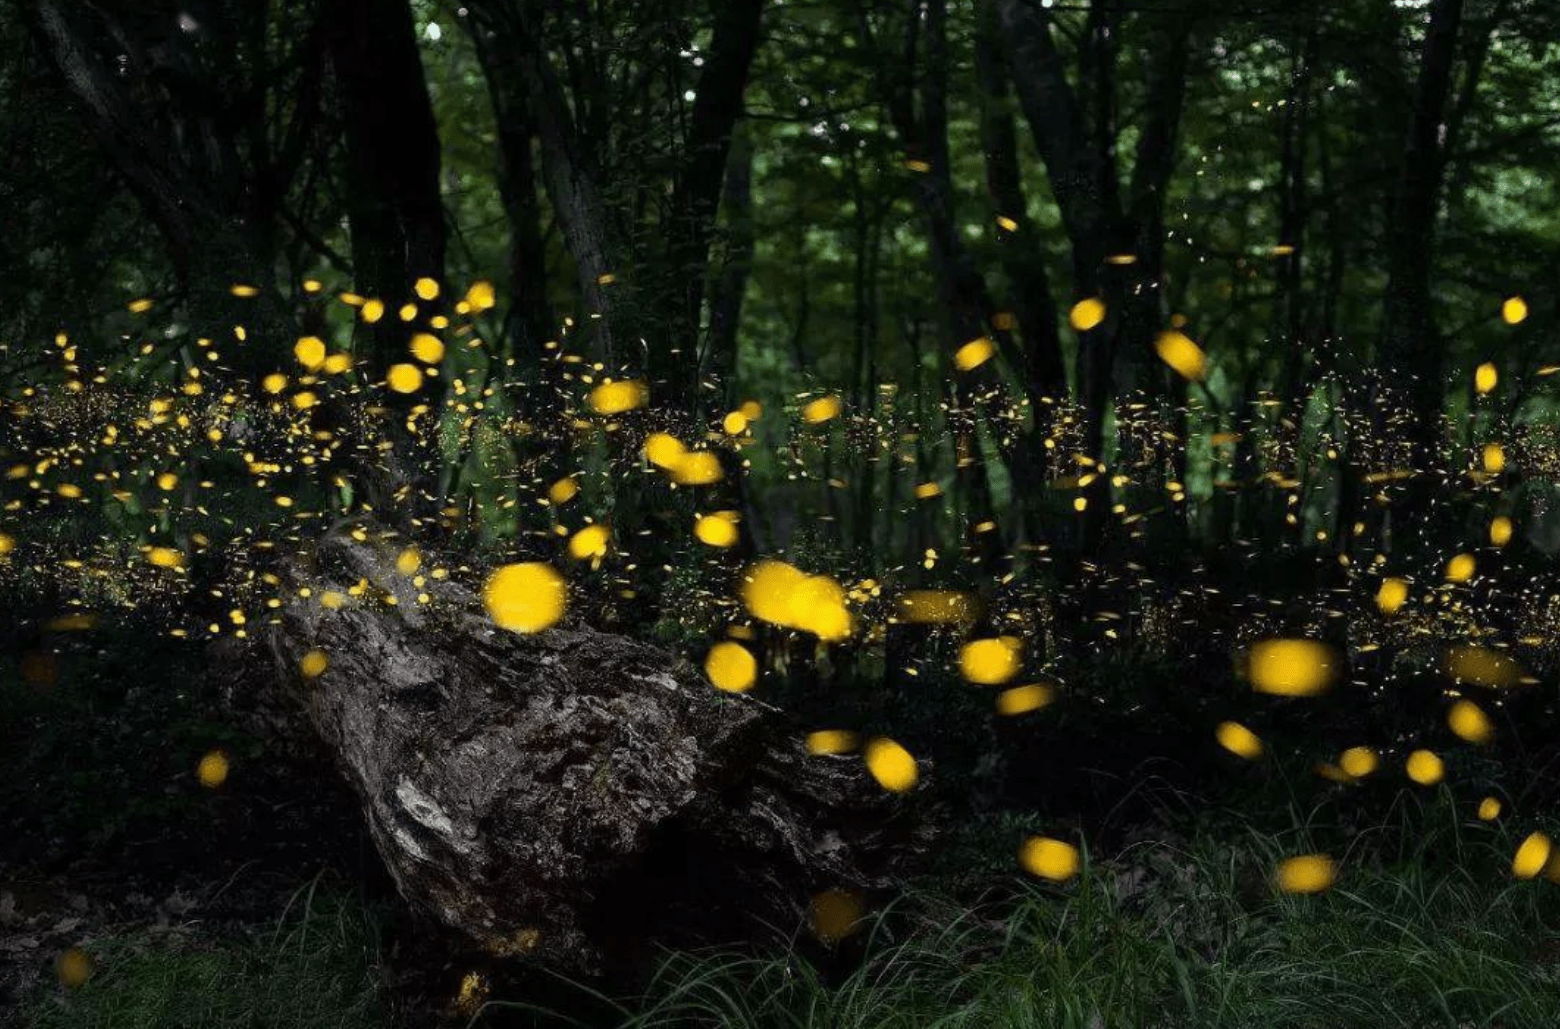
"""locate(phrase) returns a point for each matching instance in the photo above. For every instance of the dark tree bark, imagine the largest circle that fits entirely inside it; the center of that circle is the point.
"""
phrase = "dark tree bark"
(1078, 152)
(207, 172)
(1411, 355)
(394, 210)
(570, 795)
(657, 283)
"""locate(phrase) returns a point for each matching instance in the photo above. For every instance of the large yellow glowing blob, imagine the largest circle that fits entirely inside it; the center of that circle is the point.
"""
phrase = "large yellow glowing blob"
(1050, 859)
(990, 662)
(1425, 768)
(310, 352)
(1532, 856)
(717, 530)
(590, 542)
(617, 397)
(525, 597)
(731, 667)
(1177, 350)
(1291, 668)
(1470, 722)
(1086, 314)
(404, 378)
(1238, 740)
(1306, 873)
(891, 765)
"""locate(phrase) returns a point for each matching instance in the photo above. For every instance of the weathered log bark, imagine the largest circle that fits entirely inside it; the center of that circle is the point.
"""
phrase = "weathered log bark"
(573, 796)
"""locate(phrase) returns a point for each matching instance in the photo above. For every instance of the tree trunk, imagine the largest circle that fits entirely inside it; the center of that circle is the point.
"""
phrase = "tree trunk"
(394, 210)
(570, 795)
(1410, 355)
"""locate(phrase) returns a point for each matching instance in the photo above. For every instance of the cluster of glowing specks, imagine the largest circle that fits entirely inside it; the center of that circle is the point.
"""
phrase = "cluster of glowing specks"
(931, 607)
(313, 664)
(1469, 722)
(1291, 667)
(1238, 740)
(891, 765)
(1482, 666)
(1020, 700)
(1047, 858)
(731, 667)
(783, 595)
(618, 397)
(1086, 314)
(973, 354)
(718, 529)
(835, 914)
(212, 770)
(525, 597)
(1306, 873)
(1177, 350)
(1531, 856)
(991, 662)
(1425, 768)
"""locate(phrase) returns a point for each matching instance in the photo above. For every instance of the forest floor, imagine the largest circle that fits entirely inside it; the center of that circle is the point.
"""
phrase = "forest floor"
(261, 904)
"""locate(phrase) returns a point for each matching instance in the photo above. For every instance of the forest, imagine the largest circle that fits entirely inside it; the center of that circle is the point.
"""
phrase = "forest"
(779, 514)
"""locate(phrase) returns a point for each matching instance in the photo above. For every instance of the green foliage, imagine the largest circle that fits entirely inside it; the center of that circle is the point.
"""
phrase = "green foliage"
(315, 968)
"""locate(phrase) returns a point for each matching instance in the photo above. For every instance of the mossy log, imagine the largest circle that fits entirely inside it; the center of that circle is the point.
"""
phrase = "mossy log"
(571, 795)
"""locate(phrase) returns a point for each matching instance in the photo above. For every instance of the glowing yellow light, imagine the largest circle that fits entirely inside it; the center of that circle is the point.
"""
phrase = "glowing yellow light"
(972, 355)
(1514, 311)
(527, 597)
(1532, 856)
(1391, 595)
(1470, 722)
(1177, 350)
(1481, 666)
(697, 468)
(372, 310)
(1050, 859)
(1306, 873)
(1359, 762)
(564, 490)
(404, 378)
(831, 741)
(1500, 531)
(835, 914)
(1238, 740)
(480, 297)
(1460, 568)
(427, 348)
(734, 424)
(663, 450)
(426, 288)
(1494, 458)
(274, 383)
(1425, 768)
(891, 765)
(1023, 699)
(821, 410)
(408, 561)
(313, 664)
(1489, 809)
(73, 968)
(1291, 668)
(617, 397)
(716, 530)
(1485, 377)
(731, 667)
(165, 557)
(212, 770)
(310, 352)
(1086, 314)
(992, 661)
(589, 542)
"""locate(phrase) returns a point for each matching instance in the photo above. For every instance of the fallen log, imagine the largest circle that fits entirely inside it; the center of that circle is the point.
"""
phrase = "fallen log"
(571, 795)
